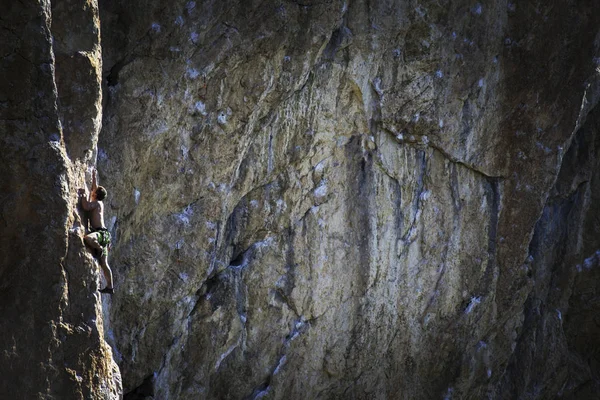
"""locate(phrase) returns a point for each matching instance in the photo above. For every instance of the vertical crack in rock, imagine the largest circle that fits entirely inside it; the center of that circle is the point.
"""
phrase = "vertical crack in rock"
(411, 232)
(300, 326)
(237, 267)
(494, 199)
(360, 175)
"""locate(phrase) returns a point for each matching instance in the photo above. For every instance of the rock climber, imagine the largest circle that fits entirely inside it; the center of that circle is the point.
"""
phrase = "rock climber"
(99, 238)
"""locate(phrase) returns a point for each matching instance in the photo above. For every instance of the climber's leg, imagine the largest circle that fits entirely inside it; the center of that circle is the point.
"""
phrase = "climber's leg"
(106, 271)
(92, 241)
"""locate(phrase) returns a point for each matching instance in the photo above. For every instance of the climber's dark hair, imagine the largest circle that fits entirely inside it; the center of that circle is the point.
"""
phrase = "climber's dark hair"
(100, 193)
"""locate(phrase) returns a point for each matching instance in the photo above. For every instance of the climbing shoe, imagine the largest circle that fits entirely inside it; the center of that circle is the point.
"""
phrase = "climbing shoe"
(107, 290)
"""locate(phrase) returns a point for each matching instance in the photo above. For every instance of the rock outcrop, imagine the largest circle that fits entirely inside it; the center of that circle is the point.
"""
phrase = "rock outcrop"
(353, 199)
(51, 332)
(308, 199)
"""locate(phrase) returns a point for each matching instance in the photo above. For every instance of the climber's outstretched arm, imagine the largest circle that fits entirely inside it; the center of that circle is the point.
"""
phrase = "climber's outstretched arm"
(85, 203)
(88, 203)
(94, 185)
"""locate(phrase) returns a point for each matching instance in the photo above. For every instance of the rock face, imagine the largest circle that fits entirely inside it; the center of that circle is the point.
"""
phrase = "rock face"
(51, 332)
(370, 200)
(308, 199)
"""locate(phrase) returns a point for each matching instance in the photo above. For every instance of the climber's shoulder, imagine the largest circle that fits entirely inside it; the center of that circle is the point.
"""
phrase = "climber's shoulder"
(92, 205)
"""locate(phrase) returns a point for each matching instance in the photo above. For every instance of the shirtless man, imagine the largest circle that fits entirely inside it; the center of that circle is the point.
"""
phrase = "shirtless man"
(99, 238)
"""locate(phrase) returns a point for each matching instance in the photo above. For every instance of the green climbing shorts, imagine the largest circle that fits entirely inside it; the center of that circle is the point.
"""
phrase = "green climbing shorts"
(103, 239)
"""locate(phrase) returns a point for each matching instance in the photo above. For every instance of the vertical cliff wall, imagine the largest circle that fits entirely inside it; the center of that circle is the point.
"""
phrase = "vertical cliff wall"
(51, 331)
(353, 199)
(308, 199)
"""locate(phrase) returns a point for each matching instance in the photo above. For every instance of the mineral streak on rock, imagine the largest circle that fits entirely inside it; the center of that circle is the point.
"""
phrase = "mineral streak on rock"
(341, 199)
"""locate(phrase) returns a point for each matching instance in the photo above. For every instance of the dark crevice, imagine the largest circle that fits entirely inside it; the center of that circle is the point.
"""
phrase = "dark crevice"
(142, 392)
(209, 286)
(242, 257)
(494, 200)
(466, 118)
(417, 142)
(360, 175)
(462, 163)
(212, 292)
(334, 43)
(237, 260)
(494, 215)
(113, 76)
(340, 39)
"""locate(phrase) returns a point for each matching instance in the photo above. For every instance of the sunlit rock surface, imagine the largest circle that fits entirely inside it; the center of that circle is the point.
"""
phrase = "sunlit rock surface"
(51, 331)
(329, 199)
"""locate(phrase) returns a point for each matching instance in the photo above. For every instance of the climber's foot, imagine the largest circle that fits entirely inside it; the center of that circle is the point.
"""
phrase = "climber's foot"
(107, 290)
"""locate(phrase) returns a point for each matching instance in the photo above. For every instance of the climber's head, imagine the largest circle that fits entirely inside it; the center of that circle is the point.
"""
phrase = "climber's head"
(100, 193)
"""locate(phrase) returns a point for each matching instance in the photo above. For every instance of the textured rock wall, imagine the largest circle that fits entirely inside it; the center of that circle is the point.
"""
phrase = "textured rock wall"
(51, 332)
(355, 199)
(557, 351)
(308, 199)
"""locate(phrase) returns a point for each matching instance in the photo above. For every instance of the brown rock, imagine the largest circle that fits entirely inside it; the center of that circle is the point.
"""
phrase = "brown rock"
(309, 199)
(51, 331)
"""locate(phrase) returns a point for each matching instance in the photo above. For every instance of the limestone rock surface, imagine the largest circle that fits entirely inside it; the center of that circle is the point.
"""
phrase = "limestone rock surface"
(51, 331)
(353, 199)
(314, 199)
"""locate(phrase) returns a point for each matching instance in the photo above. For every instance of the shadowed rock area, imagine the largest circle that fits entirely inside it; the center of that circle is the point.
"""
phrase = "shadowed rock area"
(307, 199)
